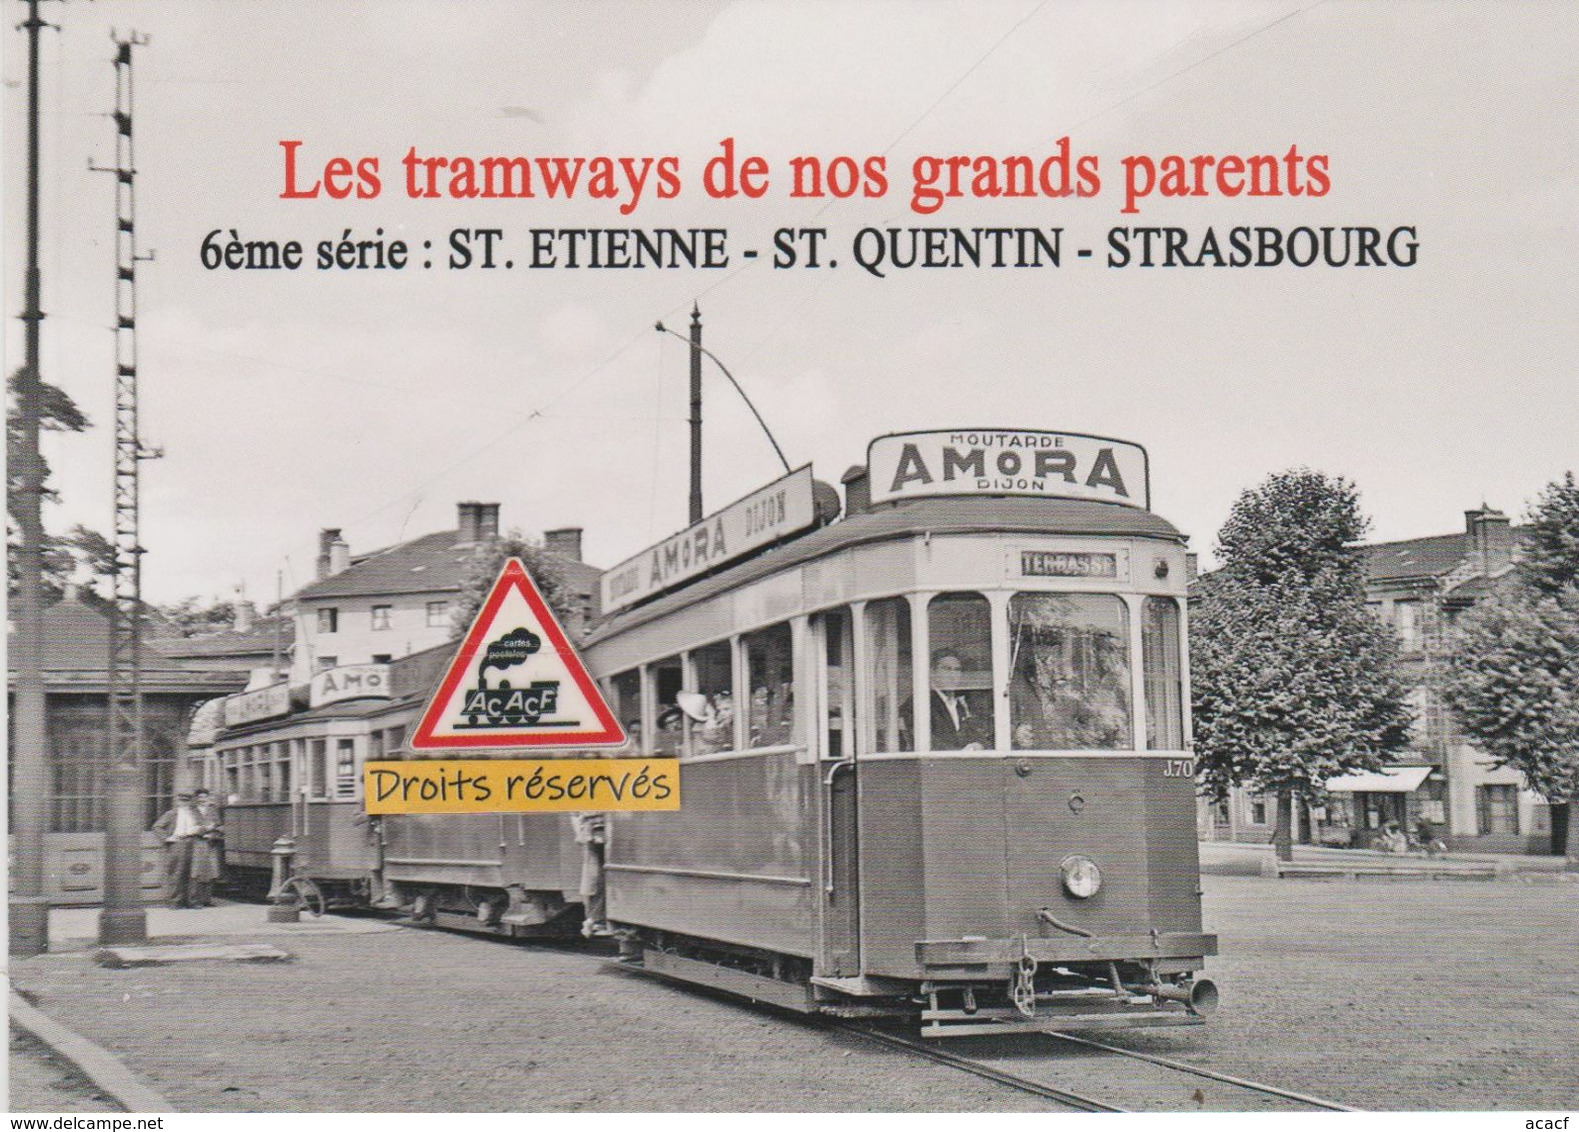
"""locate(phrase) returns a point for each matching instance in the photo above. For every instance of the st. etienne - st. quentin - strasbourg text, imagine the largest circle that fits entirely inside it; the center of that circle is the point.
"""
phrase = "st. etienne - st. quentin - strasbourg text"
(876, 251)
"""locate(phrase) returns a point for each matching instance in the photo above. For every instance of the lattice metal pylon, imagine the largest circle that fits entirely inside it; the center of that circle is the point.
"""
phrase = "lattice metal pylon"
(122, 919)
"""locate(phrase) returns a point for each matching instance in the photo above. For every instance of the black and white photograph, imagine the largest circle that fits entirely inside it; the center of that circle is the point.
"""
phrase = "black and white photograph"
(723, 556)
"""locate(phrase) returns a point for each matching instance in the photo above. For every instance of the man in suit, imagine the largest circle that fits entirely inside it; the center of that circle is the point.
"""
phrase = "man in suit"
(961, 720)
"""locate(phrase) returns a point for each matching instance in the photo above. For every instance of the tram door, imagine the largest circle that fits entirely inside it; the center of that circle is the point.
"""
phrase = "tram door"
(841, 869)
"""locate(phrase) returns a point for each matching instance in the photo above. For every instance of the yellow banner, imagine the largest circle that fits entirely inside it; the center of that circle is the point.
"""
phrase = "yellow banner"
(494, 786)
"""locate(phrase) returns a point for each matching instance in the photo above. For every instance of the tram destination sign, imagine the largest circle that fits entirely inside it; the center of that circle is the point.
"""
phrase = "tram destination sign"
(260, 703)
(349, 682)
(1068, 564)
(1000, 461)
(784, 507)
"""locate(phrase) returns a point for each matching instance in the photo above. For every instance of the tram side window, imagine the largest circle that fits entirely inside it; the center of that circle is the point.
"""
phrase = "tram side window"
(1163, 670)
(283, 781)
(959, 628)
(668, 679)
(625, 701)
(266, 773)
(232, 776)
(1069, 676)
(712, 712)
(770, 672)
(888, 634)
(345, 768)
(318, 766)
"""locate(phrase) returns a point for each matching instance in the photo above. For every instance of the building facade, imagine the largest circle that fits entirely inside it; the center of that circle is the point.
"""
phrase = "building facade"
(1419, 587)
(76, 711)
(379, 607)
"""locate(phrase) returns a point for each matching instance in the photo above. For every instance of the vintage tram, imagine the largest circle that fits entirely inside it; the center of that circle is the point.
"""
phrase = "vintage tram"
(935, 755)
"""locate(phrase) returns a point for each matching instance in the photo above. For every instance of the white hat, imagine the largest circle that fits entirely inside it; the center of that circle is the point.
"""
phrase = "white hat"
(695, 705)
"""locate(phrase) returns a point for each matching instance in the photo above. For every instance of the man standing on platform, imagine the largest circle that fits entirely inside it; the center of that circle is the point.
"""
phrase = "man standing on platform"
(181, 829)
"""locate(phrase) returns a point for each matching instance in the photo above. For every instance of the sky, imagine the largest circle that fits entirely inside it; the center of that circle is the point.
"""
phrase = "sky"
(373, 401)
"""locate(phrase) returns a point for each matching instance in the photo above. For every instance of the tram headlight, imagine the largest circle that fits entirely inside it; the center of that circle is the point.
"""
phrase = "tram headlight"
(1082, 878)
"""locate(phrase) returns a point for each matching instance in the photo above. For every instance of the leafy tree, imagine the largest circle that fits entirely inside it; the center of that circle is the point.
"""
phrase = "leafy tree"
(193, 616)
(61, 554)
(1293, 682)
(1550, 560)
(1513, 676)
(482, 570)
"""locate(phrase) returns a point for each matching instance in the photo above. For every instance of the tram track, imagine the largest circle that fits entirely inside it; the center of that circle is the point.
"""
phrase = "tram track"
(990, 1068)
(933, 1052)
(1029, 1075)
(1209, 1074)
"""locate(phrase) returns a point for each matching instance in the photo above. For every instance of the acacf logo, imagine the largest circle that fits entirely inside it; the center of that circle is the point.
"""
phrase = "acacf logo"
(505, 706)
(515, 681)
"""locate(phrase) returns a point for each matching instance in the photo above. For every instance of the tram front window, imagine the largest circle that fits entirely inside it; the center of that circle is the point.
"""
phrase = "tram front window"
(960, 628)
(1069, 672)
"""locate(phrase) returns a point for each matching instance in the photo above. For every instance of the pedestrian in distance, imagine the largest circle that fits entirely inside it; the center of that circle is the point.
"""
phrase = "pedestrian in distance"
(206, 851)
(180, 827)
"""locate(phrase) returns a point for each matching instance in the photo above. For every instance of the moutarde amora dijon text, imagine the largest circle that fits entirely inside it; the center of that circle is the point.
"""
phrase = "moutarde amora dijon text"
(876, 251)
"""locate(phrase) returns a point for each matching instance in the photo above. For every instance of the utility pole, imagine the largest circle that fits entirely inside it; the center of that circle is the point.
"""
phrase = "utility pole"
(123, 919)
(696, 414)
(28, 905)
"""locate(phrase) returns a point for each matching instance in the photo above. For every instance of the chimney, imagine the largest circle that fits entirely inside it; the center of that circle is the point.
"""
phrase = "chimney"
(246, 614)
(1192, 566)
(339, 554)
(1490, 538)
(565, 542)
(857, 490)
(476, 522)
(326, 538)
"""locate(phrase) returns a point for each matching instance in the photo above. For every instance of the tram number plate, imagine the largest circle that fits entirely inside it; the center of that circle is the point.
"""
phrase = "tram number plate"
(1179, 768)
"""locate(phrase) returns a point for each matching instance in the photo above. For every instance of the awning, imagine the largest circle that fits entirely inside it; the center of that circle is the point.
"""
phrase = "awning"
(1389, 780)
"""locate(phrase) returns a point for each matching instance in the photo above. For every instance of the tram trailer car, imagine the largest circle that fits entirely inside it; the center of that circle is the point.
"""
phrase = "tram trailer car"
(1019, 853)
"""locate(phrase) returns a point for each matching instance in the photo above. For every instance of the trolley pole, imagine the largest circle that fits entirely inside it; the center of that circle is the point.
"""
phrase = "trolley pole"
(28, 906)
(696, 414)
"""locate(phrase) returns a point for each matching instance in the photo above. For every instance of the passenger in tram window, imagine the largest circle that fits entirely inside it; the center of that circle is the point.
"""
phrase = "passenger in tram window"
(961, 720)
(633, 734)
(712, 721)
(671, 728)
(711, 706)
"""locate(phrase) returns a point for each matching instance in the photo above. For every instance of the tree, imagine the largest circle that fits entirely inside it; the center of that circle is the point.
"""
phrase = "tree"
(482, 570)
(195, 616)
(61, 554)
(1513, 674)
(1293, 682)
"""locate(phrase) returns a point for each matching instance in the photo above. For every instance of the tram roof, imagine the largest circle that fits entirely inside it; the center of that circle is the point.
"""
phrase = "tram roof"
(940, 515)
